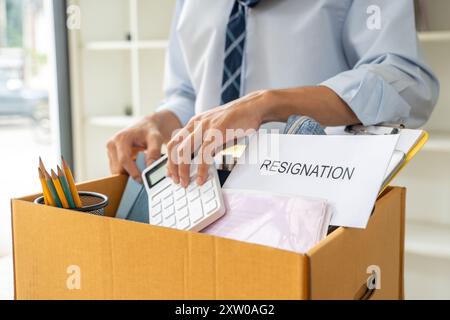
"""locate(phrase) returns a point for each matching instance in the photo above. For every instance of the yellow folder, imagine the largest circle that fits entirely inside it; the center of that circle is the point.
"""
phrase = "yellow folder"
(420, 143)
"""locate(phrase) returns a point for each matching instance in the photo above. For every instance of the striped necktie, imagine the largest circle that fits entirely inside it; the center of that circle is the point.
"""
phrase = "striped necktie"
(234, 50)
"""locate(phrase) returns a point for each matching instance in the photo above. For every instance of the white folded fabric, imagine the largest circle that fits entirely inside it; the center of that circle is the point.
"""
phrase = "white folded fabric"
(284, 222)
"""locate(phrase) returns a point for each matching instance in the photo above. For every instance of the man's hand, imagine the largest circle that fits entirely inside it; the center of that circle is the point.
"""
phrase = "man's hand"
(148, 135)
(210, 131)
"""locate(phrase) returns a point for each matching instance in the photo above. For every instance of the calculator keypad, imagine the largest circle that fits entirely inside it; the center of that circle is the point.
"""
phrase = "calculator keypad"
(179, 208)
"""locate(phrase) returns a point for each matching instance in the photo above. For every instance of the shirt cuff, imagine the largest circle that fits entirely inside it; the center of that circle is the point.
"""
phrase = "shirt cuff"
(372, 98)
(183, 107)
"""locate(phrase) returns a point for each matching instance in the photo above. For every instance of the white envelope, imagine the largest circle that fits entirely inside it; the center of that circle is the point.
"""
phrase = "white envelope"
(284, 222)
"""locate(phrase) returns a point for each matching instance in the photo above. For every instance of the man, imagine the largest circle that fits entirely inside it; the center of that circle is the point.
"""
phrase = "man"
(238, 64)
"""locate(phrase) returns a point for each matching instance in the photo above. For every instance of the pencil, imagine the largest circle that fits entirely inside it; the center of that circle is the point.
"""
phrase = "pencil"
(43, 185)
(42, 175)
(65, 187)
(48, 199)
(71, 182)
(59, 190)
(41, 166)
(52, 189)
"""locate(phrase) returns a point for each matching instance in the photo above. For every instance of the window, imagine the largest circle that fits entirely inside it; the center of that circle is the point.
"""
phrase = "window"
(26, 99)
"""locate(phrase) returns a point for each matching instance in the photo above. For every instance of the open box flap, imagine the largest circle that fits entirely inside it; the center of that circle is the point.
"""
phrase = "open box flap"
(378, 249)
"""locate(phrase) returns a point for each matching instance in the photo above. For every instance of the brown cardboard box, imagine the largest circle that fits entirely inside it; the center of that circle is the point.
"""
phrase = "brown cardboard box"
(117, 259)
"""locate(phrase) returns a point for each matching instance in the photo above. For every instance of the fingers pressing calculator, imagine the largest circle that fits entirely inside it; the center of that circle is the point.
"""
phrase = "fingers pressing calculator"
(172, 206)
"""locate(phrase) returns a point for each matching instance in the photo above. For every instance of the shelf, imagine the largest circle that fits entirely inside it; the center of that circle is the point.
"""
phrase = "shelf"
(434, 36)
(108, 45)
(118, 62)
(126, 45)
(153, 44)
(428, 240)
(439, 142)
(116, 122)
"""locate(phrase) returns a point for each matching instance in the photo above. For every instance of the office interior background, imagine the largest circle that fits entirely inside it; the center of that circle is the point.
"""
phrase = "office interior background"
(116, 50)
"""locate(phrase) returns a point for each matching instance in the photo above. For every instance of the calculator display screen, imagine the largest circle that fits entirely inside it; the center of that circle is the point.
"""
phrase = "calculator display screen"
(157, 174)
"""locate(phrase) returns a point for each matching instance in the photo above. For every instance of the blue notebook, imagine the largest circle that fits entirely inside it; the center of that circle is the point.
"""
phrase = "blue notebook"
(134, 203)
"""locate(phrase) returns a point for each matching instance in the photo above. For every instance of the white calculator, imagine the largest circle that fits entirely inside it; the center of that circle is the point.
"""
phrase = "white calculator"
(172, 206)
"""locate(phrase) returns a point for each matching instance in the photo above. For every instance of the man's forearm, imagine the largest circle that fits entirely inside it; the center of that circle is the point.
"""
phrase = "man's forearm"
(320, 103)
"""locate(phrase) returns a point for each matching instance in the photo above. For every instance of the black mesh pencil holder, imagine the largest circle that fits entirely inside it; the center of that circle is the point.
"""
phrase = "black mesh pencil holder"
(93, 203)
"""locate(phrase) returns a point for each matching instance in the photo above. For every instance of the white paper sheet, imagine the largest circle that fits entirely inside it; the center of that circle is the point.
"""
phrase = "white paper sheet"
(357, 167)
(407, 140)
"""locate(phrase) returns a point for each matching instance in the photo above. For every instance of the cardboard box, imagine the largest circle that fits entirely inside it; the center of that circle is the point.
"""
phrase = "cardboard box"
(114, 259)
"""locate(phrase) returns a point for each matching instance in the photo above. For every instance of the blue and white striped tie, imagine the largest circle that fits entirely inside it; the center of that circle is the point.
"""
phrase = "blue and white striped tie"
(234, 50)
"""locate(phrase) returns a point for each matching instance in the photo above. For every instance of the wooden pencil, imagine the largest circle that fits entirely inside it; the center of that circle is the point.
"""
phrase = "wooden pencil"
(59, 190)
(51, 188)
(41, 165)
(45, 190)
(65, 187)
(71, 182)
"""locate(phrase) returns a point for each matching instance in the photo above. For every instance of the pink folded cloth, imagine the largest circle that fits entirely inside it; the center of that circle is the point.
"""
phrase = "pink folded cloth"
(284, 222)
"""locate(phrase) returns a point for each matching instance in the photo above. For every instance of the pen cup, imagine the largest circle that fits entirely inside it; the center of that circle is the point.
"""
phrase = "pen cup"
(93, 203)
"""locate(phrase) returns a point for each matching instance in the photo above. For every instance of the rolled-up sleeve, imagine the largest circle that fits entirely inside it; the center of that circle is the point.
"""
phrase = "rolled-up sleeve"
(387, 81)
(179, 93)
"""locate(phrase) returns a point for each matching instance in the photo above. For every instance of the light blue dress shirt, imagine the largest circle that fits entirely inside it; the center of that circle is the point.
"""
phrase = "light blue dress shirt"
(367, 51)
